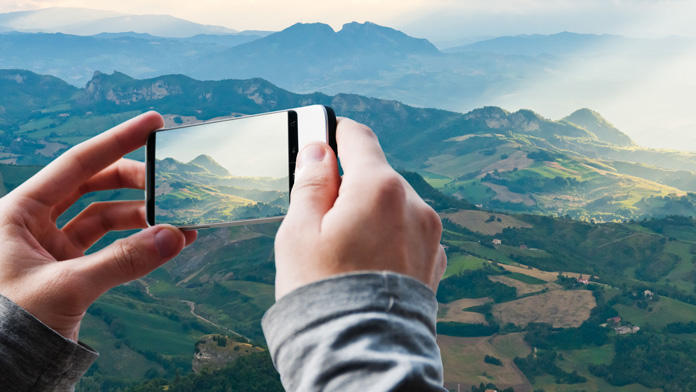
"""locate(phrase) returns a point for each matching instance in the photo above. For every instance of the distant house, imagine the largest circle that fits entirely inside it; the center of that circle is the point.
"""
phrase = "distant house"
(648, 294)
(584, 281)
(523, 246)
(615, 320)
(625, 330)
(497, 242)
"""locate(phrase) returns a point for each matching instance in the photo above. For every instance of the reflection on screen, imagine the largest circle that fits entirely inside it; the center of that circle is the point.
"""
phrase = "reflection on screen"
(222, 171)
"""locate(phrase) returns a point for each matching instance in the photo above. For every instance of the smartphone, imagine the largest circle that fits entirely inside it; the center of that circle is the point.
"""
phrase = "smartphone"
(229, 172)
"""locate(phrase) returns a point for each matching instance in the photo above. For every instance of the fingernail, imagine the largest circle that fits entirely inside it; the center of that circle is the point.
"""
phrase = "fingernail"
(310, 154)
(167, 242)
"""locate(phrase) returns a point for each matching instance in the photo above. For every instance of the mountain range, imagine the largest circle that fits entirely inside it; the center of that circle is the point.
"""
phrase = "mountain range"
(527, 71)
(580, 165)
(84, 21)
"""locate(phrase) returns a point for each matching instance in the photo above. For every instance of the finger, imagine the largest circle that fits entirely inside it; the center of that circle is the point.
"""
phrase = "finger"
(190, 236)
(100, 218)
(129, 258)
(358, 147)
(124, 173)
(316, 186)
(61, 177)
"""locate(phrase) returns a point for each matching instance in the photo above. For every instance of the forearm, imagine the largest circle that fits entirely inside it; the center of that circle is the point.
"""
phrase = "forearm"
(360, 332)
(33, 357)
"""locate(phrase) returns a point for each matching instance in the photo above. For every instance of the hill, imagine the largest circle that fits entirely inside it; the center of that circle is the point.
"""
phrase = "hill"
(603, 129)
(580, 166)
(209, 164)
(226, 280)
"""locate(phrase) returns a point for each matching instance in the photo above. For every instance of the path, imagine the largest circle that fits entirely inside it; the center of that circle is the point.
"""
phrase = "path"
(192, 306)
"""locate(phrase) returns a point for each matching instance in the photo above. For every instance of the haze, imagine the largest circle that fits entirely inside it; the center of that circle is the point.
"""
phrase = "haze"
(650, 97)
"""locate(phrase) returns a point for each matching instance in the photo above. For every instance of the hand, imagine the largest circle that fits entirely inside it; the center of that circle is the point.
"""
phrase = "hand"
(371, 219)
(43, 268)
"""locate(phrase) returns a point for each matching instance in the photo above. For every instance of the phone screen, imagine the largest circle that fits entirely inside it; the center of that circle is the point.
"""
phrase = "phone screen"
(223, 171)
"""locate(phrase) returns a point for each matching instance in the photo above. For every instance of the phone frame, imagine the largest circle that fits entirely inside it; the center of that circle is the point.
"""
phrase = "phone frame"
(293, 149)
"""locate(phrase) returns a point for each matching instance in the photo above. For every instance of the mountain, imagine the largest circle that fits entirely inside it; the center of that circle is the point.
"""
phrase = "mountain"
(315, 52)
(76, 58)
(560, 44)
(82, 21)
(209, 164)
(603, 129)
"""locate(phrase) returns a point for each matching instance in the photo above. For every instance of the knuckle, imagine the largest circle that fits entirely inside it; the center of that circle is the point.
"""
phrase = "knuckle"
(366, 131)
(311, 179)
(389, 191)
(126, 257)
(431, 220)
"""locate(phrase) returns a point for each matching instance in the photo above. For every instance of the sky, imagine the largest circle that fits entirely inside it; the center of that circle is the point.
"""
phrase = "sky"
(248, 147)
(437, 20)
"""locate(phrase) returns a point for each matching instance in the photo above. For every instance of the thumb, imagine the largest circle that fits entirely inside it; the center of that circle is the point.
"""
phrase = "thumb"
(132, 257)
(316, 185)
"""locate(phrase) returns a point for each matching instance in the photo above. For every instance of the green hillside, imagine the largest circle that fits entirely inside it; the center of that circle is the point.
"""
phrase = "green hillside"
(581, 166)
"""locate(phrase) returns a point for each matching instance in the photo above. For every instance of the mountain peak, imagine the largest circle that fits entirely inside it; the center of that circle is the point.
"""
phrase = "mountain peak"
(208, 163)
(595, 123)
(384, 38)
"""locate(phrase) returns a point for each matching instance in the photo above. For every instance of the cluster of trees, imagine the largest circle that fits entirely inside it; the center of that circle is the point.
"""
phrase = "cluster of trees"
(680, 327)
(492, 360)
(541, 156)
(474, 284)
(250, 373)
(544, 336)
(451, 328)
(651, 360)
(544, 362)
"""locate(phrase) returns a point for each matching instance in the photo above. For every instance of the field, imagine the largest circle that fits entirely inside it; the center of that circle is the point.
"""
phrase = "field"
(121, 361)
(477, 221)
(562, 309)
(523, 288)
(459, 263)
(548, 276)
(454, 311)
(463, 361)
(664, 311)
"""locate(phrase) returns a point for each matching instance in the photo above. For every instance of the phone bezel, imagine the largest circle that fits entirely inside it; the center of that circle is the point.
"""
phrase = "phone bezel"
(150, 148)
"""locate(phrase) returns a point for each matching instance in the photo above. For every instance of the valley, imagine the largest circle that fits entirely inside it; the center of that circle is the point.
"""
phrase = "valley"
(531, 207)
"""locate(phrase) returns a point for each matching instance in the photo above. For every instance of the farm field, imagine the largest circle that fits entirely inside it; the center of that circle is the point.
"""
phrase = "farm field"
(458, 263)
(664, 311)
(477, 221)
(523, 288)
(454, 311)
(547, 276)
(463, 360)
(562, 309)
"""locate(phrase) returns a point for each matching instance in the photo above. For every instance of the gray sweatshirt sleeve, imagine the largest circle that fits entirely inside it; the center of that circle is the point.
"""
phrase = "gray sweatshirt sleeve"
(359, 332)
(35, 358)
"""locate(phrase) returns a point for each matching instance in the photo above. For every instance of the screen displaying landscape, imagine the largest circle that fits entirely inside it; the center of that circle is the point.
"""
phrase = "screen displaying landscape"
(555, 139)
(222, 171)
